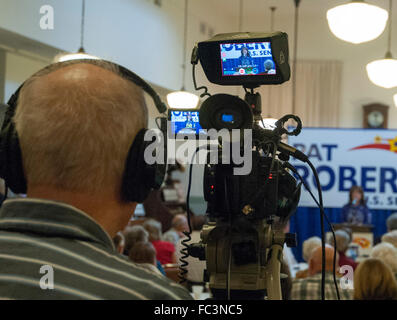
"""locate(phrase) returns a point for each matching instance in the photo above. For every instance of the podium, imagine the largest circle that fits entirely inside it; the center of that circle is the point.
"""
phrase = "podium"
(362, 240)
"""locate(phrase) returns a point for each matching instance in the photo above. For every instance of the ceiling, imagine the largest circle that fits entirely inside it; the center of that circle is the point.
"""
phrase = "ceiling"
(286, 7)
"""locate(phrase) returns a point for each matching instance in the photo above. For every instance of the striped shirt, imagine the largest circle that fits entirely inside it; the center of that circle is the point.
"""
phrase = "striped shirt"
(310, 288)
(46, 242)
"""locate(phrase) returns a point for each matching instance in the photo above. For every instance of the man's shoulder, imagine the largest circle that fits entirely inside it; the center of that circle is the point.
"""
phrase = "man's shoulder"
(81, 269)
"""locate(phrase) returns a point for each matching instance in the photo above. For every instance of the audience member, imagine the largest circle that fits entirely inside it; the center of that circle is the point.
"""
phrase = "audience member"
(119, 242)
(145, 254)
(75, 122)
(387, 253)
(373, 280)
(310, 287)
(165, 251)
(308, 246)
(391, 222)
(342, 244)
(179, 225)
(132, 235)
(390, 237)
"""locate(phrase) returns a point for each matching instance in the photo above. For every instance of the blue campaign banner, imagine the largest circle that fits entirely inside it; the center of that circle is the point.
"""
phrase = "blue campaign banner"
(347, 157)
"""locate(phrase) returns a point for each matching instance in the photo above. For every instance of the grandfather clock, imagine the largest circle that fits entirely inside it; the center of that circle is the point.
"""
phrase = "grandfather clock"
(375, 116)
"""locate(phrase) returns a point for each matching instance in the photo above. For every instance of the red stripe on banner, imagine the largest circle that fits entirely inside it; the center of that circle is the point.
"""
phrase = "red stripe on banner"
(373, 146)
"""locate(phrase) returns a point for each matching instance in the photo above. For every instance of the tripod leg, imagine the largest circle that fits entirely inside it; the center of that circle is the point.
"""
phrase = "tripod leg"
(273, 285)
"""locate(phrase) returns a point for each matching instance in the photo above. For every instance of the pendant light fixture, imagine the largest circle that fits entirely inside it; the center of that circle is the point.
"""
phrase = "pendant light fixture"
(272, 10)
(81, 54)
(383, 72)
(183, 99)
(357, 21)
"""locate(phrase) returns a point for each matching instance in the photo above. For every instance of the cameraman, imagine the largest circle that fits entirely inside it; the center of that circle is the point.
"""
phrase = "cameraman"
(75, 123)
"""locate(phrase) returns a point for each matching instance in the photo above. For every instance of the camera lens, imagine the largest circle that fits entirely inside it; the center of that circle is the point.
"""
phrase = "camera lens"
(228, 118)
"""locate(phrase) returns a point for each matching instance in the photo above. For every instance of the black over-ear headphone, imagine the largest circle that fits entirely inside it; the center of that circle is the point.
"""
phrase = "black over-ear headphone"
(139, 178)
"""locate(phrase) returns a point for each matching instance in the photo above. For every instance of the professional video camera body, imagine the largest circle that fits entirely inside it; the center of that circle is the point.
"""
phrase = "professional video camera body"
(243, 240)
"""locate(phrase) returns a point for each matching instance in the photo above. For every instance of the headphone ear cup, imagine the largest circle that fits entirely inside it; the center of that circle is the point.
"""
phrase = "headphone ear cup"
(140, 177)
(11, 167)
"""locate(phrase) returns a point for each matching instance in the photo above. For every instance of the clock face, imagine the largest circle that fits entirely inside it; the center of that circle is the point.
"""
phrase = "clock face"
(375, 119)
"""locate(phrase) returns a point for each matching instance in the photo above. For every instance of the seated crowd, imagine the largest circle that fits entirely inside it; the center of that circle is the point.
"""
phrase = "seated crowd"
(145, 245)
(372, 279)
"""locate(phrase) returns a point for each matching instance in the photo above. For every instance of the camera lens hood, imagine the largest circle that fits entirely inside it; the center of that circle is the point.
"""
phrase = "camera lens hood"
(224, 111)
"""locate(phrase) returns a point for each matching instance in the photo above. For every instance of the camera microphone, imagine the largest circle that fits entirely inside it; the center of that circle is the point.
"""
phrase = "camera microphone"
(281, 146)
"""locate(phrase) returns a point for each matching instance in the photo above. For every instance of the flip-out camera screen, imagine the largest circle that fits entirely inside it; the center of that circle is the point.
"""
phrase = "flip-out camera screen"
(185, 122)
(247, 59)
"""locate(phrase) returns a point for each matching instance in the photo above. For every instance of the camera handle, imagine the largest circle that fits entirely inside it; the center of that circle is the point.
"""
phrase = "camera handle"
(255, 102)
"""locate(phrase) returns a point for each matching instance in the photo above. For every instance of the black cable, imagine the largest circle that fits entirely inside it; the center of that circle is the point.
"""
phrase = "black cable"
(205, 93)
(184, 251)
(289, 166)
(82, 26)
(320, 197)
(229, 264)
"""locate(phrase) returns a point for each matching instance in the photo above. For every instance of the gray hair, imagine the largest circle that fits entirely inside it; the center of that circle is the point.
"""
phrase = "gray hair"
(153, 227)
(390, 237)
(75, 135)
(134, 234)
(309, 245)
(387, 253)
(342, 240)
(178, 220)
(391, 222)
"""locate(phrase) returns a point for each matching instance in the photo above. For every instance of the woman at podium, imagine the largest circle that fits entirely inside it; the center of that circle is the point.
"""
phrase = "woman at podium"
(356, 211)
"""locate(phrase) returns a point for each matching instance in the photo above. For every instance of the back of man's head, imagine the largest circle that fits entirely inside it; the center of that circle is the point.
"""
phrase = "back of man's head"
(315, 262)
(76, 124)
(387, 253)
(391, 222)
(179, 222)
(309, 245)
(143, 252)
(390, 237)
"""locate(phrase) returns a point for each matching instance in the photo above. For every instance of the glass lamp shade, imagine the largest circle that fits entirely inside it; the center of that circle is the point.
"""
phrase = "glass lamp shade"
(383, 73)
(395, 99)
(357, 22)
(74, 56)
(182, 100)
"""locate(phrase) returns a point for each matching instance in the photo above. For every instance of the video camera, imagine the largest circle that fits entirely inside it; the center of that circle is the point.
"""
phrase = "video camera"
(243, 240)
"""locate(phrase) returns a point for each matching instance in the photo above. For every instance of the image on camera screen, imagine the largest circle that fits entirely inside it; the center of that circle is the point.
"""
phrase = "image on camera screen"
(185, 122)
(247, 59)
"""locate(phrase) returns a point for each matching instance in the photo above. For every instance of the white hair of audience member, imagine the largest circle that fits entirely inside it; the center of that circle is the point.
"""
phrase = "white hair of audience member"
(56, 129)
(342, 240)
(390, 237)
(309, 245)
(391, 222)
(153, 227)
(387, 253)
